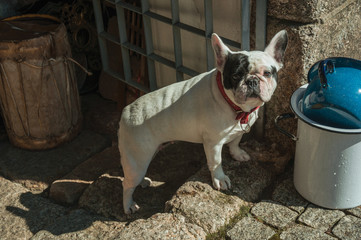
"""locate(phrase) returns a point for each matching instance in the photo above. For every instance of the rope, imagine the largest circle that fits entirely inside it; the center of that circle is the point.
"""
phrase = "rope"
(21, 17)
(57, 62)
(83, 68)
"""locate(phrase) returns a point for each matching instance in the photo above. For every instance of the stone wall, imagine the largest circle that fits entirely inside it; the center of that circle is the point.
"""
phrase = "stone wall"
(317, 30)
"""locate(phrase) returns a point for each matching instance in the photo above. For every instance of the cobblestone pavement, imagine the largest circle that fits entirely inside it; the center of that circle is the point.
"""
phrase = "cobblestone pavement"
(79, 197)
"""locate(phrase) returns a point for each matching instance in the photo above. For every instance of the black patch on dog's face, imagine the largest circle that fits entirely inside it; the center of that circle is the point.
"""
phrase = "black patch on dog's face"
(235, 70)
(274, 73)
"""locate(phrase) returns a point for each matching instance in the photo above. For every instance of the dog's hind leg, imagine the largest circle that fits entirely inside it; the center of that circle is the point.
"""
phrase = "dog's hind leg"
(135, 168)
(128, 204)
(128, 189)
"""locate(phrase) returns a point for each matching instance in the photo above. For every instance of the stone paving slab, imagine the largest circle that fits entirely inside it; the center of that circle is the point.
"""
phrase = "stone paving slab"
(286, 194)
(36, 170)
(355, 211)
(204, 206)
(162, 227)
(302, 232)
(69, 188)
(80, 224)
(249, 228)
(104, 196)
(23, 213)
(274, 214)
(211, 209)
(320, 218)
(349, 227)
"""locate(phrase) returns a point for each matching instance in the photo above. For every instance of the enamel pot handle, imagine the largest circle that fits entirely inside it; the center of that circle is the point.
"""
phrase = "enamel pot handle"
(325, 66)
(282, 117)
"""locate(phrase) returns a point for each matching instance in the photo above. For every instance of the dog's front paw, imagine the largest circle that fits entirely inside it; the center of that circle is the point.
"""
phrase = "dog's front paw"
(222, 182)
(239, 154)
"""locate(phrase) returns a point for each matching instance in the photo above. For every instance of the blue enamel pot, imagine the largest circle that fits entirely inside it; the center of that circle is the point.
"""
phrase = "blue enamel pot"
(333, 96)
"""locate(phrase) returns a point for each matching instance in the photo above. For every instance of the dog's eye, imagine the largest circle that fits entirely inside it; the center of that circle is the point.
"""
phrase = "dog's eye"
(267, 74)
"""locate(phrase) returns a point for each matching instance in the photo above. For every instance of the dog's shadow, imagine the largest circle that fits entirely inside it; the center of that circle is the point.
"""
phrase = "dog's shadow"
(170, 169)
(102, 200)
(40, 214)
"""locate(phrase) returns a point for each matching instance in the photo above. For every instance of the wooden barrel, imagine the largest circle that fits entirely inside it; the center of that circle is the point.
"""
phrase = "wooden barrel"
(38, 93)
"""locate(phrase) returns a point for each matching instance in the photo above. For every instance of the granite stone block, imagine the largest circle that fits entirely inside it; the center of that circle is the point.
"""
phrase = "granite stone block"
(274, 214)
(249, 228)
(320, 218)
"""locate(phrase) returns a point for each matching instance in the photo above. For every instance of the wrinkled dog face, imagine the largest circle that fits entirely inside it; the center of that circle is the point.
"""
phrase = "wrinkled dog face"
(251, 76)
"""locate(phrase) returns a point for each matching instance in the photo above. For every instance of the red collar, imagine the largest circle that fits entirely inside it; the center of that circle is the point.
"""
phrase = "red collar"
(241, 116)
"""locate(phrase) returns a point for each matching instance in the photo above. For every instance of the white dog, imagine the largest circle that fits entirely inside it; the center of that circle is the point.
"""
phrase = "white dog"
(213, 108)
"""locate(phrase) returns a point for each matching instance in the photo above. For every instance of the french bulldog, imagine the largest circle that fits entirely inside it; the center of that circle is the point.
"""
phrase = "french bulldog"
(213, 108)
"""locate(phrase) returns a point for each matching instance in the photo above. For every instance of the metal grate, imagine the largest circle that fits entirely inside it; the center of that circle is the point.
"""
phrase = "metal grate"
(177, 26)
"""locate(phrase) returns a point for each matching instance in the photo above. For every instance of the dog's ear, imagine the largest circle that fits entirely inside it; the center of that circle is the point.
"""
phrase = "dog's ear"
(220, 51)
(277, 47)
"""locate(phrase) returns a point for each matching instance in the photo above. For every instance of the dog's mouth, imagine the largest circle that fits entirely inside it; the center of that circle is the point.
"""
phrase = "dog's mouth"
(250, 90)
(243, 94)
(254, 95)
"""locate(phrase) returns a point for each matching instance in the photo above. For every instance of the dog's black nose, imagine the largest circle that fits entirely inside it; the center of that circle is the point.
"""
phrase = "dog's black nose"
(252, 82)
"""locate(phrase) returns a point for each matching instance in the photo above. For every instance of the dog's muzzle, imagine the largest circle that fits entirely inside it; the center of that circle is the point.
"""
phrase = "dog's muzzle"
(253, 85)
(252, 82)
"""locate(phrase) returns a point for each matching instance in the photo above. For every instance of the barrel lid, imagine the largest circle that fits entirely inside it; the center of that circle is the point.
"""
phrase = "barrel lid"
(26, 27)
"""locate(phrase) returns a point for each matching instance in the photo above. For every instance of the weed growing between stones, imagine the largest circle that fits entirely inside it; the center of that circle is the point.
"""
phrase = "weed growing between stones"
(222, 232)
(277, 235)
